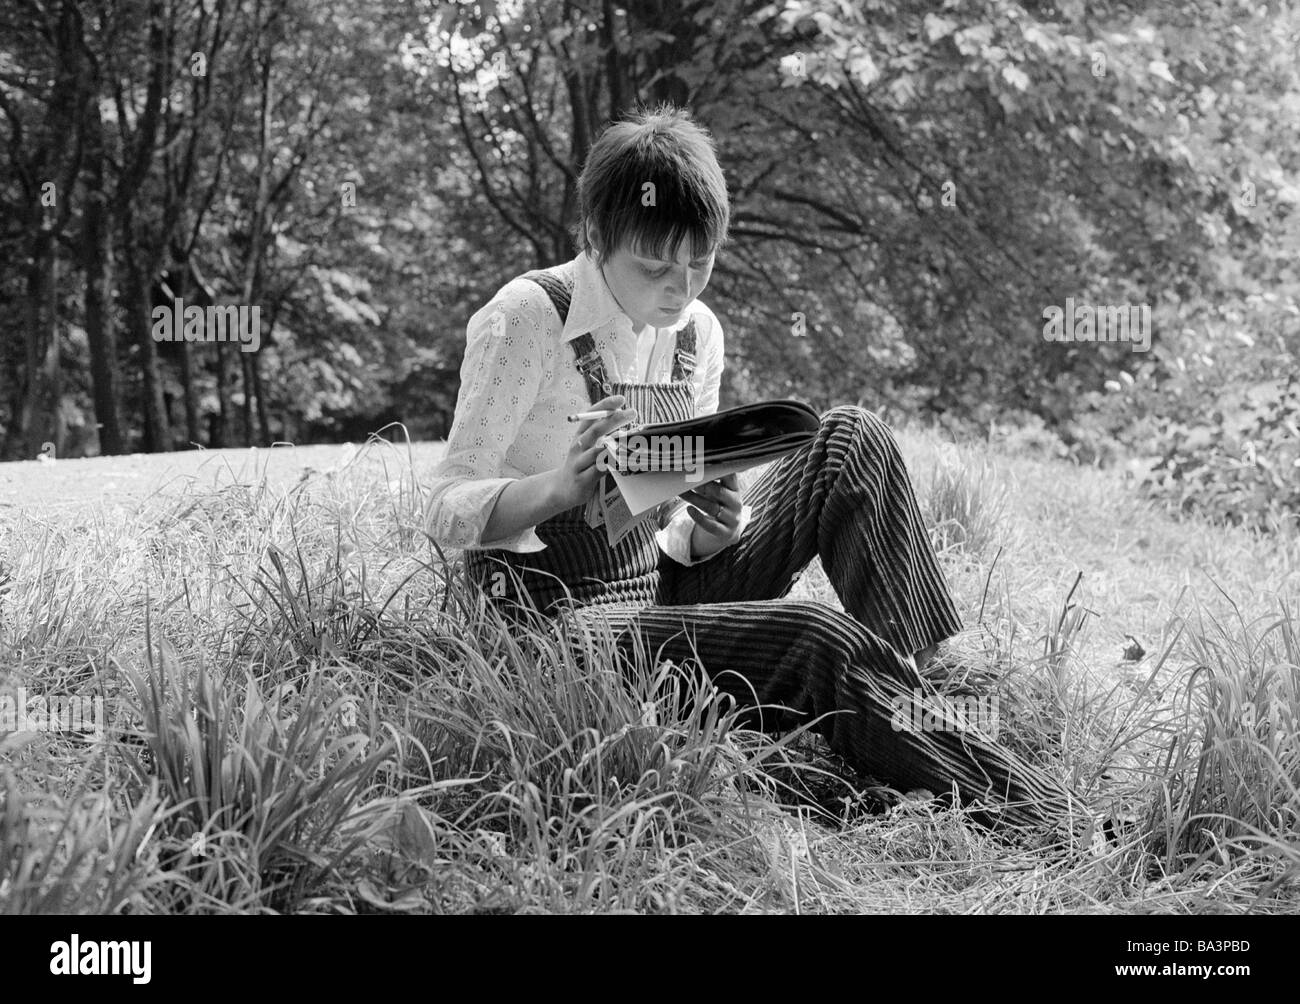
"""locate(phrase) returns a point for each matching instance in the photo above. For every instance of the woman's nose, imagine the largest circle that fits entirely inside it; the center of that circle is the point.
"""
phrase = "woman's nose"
(682, 288)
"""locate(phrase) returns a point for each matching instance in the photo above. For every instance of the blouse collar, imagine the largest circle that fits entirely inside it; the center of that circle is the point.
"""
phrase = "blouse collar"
(592, 304)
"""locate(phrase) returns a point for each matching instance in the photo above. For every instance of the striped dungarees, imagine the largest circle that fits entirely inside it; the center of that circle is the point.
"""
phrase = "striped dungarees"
(845, 498)
(576, 555)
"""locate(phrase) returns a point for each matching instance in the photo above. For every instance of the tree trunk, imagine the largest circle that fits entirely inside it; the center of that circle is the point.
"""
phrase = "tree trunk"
(39, 414)
(662, 60)
(141, 259)
(225, 410)
(97, 261)
(263, 425)
(191, 405)
(257, 235)
(56, 162)
(182, 274)
(620, 85)
(246, 372)
(157, 435)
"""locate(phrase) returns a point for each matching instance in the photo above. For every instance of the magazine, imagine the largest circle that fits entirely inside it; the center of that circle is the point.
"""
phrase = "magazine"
(647, 466)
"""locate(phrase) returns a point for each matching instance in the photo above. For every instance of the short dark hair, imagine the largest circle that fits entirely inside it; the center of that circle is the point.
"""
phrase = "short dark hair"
(665, 147)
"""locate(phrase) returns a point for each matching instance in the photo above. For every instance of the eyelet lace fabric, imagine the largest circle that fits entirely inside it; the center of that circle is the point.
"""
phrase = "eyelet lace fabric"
(518, 384)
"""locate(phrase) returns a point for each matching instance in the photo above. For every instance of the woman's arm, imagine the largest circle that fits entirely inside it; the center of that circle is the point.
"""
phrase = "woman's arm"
(522, 504)
(528, 501)
(477, 498)
(505, 355)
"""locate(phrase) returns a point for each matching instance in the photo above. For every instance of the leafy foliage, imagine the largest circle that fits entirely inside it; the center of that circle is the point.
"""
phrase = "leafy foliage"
(919, 181)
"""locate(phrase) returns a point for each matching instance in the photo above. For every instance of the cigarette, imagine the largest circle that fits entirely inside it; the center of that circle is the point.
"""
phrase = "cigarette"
(583, 416)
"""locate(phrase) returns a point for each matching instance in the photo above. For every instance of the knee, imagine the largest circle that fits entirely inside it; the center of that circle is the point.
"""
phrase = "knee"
(860, 420)
(863, 428)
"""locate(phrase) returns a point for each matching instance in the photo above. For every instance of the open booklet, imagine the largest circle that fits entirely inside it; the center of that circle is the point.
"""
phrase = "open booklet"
(649, 465)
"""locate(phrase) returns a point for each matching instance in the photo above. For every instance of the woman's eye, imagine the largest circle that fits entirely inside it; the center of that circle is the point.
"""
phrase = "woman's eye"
(698, 266)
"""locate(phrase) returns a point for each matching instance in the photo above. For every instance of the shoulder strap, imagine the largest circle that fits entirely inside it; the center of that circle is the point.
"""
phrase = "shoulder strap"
(555, 287)
(591, 366)
(684, 353)
(585, 353)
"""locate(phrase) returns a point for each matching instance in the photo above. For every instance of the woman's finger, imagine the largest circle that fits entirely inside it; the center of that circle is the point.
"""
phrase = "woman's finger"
(587, 458)
(713, 523)
(703, 519)
(697, 497)
(593, 429)
(711, 497)
(612, 403)
(619, 418)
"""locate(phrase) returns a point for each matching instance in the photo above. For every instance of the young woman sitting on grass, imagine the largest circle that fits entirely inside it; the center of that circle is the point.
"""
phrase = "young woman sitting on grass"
(621, 327)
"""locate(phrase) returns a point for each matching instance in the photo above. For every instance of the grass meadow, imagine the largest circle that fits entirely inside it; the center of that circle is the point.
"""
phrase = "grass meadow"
(306, 712)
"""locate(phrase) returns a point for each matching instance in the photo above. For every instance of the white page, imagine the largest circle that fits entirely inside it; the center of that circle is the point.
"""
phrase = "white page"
(647, 489)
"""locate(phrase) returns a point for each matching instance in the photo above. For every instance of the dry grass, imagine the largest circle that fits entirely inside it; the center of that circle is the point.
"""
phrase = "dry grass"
(309, 715)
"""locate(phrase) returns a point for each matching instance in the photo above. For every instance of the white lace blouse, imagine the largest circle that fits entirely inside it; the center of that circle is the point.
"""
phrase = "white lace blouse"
(519, 381)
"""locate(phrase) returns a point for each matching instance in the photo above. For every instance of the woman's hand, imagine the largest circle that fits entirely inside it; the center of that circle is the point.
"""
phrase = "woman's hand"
(574, 481)
(715, 509)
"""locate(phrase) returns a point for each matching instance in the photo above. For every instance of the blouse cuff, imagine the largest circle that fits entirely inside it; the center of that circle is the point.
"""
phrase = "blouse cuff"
(675, 538)
(459, 516)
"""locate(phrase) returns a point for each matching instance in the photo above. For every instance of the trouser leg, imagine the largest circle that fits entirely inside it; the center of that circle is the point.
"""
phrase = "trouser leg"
(813, 661)
(846, 497)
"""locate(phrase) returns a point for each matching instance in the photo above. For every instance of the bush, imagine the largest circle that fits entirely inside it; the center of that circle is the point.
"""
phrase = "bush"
(1242, 466)
(1214, 429)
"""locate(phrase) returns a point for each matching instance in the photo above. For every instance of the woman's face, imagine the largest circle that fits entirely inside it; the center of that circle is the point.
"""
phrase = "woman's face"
(656, 291)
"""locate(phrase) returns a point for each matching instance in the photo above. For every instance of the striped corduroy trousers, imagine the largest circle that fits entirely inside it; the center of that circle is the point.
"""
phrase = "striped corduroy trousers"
(847, 499)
